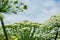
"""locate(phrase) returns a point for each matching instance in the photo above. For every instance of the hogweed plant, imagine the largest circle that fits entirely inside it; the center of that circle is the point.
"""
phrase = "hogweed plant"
(10, 6)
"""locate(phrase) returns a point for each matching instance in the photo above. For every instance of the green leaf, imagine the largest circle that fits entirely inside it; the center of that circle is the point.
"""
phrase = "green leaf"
(25, 7)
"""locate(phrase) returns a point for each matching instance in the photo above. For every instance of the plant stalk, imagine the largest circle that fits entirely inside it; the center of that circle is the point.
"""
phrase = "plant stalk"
(5, 33)
(56, 34)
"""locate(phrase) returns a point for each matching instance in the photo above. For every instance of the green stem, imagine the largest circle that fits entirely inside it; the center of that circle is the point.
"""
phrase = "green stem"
(2, 23)
(56, 34)
(32, 34)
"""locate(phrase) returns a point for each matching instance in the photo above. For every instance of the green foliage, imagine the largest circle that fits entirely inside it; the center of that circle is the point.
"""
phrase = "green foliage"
(25, 30)
(12, 6)
(1, 16)
(52, 26)
(28, 30)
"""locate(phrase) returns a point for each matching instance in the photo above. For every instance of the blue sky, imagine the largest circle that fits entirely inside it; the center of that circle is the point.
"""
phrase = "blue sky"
(38, 11)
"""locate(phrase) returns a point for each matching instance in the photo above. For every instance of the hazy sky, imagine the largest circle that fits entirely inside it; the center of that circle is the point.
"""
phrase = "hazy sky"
(38, 10)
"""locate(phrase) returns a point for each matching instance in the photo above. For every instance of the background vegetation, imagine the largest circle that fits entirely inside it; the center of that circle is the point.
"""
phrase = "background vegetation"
(28, 30)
